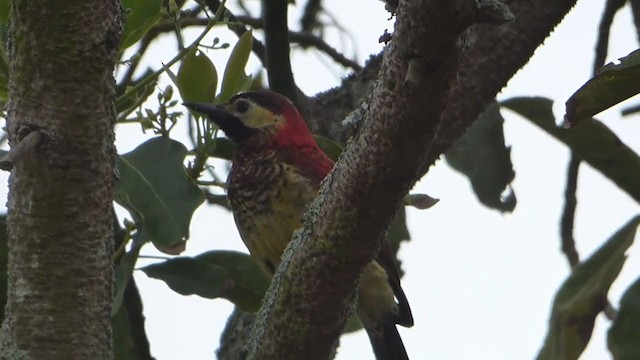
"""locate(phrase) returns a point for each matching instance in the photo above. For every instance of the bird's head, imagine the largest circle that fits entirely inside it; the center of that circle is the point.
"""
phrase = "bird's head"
(259, 118)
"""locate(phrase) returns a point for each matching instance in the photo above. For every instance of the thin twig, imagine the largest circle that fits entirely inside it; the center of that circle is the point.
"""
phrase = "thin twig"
(18, 151)
(308, 39)
(568, 215)
(151, 35)
(258, 46)
(135, 61)
(635, 11)
(309, 19)
(630, 110)
(150, 78)
(602, 43)
(304, 39)
(276, 34)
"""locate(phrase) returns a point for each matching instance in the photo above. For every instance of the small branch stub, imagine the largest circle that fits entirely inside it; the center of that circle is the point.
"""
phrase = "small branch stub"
(20, 150)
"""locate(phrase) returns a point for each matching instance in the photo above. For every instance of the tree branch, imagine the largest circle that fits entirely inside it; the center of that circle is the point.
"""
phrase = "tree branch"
(635, 10)
(497, 53)
(309, 19)
(258, 47)
(602, 42)
(570, 200)
(276, 34)
(300, 317)
(306, 39)
(303, 39)
(569, 212)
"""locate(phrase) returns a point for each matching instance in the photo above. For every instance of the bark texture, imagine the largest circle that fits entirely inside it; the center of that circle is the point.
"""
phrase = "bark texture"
(494, 55)
(62, 56)
(312, 292)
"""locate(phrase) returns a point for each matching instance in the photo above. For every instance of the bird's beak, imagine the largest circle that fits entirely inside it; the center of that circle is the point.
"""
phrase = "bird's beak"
(212, 111)
(235, 129)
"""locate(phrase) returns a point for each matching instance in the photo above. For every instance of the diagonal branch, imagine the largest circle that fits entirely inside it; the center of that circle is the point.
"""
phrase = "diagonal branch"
(306, 39)
(309, 19)
(569, 212)
(276, 33)
(498, 53)
(299, 317)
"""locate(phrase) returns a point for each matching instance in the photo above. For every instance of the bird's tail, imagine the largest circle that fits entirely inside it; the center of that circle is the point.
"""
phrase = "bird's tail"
(386, 342)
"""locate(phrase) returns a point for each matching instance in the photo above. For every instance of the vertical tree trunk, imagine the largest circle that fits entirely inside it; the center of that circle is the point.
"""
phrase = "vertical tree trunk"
(62, 56)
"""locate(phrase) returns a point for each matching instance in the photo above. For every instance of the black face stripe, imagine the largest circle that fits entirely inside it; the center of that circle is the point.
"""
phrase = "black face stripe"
(275, 103)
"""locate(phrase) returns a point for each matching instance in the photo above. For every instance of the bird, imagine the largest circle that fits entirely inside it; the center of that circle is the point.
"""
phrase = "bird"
(276, 172)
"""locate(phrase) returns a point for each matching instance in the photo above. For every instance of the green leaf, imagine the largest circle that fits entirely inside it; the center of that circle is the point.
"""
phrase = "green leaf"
(221, 148)
(5, 7)
(353, 325)
(124, 346)
(235, 80)
(592, 141)
(329, 147)
(613, 84)
(624, 335)
(129, 338)
(584, 295)
(481, 155)
(123, 273)
(249, 280)
(197, 78)
(141, 16)
(234, 276)
(155, 189)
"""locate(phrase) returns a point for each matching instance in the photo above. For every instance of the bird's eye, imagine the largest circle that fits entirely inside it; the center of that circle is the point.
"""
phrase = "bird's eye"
(242, 106)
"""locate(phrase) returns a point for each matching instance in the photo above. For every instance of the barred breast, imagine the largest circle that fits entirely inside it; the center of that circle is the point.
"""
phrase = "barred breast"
(268, 198)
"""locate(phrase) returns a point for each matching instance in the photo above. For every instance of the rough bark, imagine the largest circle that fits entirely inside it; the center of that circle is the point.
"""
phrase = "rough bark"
(62, 56)
(312, 292)
(494, 56)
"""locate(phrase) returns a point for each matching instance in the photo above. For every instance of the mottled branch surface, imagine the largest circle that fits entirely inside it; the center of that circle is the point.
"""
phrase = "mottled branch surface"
(495, 55)
(62, 56)
(312, 291)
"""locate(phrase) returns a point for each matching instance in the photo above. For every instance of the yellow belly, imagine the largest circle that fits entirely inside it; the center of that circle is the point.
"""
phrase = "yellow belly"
(267, 232)
(267, 229)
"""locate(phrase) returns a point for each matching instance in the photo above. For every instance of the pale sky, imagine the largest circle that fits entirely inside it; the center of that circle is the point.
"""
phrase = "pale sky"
(480, 283)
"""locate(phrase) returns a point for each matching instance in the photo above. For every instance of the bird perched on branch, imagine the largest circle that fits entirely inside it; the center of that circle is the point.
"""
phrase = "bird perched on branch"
(275, 174)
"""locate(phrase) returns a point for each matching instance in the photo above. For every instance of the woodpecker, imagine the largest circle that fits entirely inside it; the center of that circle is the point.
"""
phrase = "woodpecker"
(275, 175)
